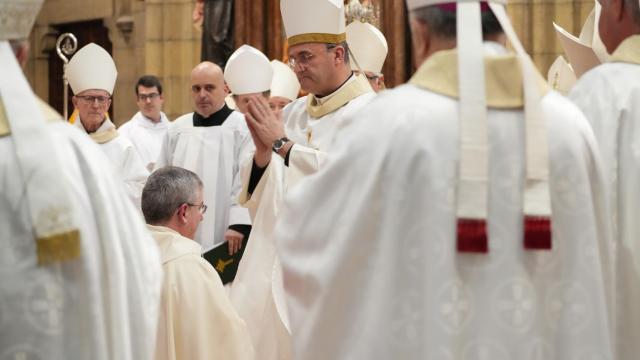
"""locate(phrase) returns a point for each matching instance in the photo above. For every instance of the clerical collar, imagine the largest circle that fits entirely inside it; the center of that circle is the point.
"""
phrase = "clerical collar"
(215, 119)
(322, 100)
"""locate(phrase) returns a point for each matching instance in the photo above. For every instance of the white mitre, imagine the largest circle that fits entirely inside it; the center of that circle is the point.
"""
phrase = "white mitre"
(313, 21)
(368, 45)
(92, 68)
(17, 18)
(285, 82)
(231, 104)
(248, 71)
(586, 51)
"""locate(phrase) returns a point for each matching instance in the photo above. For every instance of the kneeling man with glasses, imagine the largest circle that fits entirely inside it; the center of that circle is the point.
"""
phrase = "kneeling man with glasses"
(197, 320)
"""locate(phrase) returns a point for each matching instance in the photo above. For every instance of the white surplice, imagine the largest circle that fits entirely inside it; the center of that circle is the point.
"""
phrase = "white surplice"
(125, 160)
(609, 96)
(213, 153)
(257, 292)
(197, 321)
(146, 136)
(368, 243)
(102, 305)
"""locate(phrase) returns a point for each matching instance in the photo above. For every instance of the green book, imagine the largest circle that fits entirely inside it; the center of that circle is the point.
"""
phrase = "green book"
(226, 265)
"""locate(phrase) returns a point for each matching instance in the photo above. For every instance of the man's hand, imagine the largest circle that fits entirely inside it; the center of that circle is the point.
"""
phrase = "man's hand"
(235, 240)
(262, 157)
(266, 125)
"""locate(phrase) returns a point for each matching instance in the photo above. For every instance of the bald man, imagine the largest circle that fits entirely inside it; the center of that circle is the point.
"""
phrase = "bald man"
(211, 142)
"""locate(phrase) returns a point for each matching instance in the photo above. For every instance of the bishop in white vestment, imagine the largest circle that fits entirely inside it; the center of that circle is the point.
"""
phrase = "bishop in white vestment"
(301, 143)
(609, 95)
(79, 273)
(384, 257)
(92, 76)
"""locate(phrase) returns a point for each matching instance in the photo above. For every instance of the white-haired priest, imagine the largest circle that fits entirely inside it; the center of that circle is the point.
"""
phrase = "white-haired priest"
(92, 77)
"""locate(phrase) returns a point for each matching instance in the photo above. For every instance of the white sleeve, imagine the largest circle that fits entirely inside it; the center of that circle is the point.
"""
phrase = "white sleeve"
(166, 152)
(239, 215)
(303, 161)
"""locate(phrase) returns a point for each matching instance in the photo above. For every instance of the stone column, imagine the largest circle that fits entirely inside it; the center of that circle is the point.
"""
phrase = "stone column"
(171, 48)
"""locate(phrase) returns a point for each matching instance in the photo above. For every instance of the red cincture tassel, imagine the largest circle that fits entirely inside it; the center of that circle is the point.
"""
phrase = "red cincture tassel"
(537, 233)
(472, 236)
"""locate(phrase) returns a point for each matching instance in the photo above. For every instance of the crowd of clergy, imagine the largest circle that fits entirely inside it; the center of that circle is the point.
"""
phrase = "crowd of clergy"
(477, 212)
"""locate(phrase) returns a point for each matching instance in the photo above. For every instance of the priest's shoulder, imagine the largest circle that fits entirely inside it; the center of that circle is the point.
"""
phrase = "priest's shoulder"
(122, 142)
(83, 146)
(604, 78)
(295, 108)
(194, 268)
(183, 121)
(364, 98)
(402, 112)
(50, 115)
(563, 117)
(129, 126)
(236, 119)
(410, 100)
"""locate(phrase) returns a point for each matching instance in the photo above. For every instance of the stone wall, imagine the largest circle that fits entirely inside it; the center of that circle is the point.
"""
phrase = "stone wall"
(161, 41)
(533, 21)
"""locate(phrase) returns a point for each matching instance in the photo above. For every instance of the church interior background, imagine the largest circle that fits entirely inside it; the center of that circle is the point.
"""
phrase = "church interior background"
(167, 38)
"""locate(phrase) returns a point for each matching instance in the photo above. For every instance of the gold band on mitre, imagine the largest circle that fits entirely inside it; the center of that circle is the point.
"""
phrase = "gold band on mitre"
(317, 38)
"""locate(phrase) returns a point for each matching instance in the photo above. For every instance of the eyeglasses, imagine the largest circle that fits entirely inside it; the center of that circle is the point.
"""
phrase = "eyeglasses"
(202, 207)
(91, 99)
(303, 60)
(145, 97)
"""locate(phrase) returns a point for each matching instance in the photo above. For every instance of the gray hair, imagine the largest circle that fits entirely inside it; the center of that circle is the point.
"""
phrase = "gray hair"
(346, 50)
(167, 189)
(443, 23)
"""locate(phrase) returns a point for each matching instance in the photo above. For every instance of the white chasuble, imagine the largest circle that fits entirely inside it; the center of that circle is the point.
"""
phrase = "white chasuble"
(123, 157)
(257, 292)
(101, 304)
(609, 96)
(368, 243)
(213, 153)
(197, 321)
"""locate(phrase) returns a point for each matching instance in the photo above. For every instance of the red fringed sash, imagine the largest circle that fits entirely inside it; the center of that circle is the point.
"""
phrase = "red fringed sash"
(472, 235)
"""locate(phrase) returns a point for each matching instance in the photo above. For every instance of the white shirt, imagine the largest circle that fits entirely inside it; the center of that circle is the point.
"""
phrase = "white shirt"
(146, 136)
